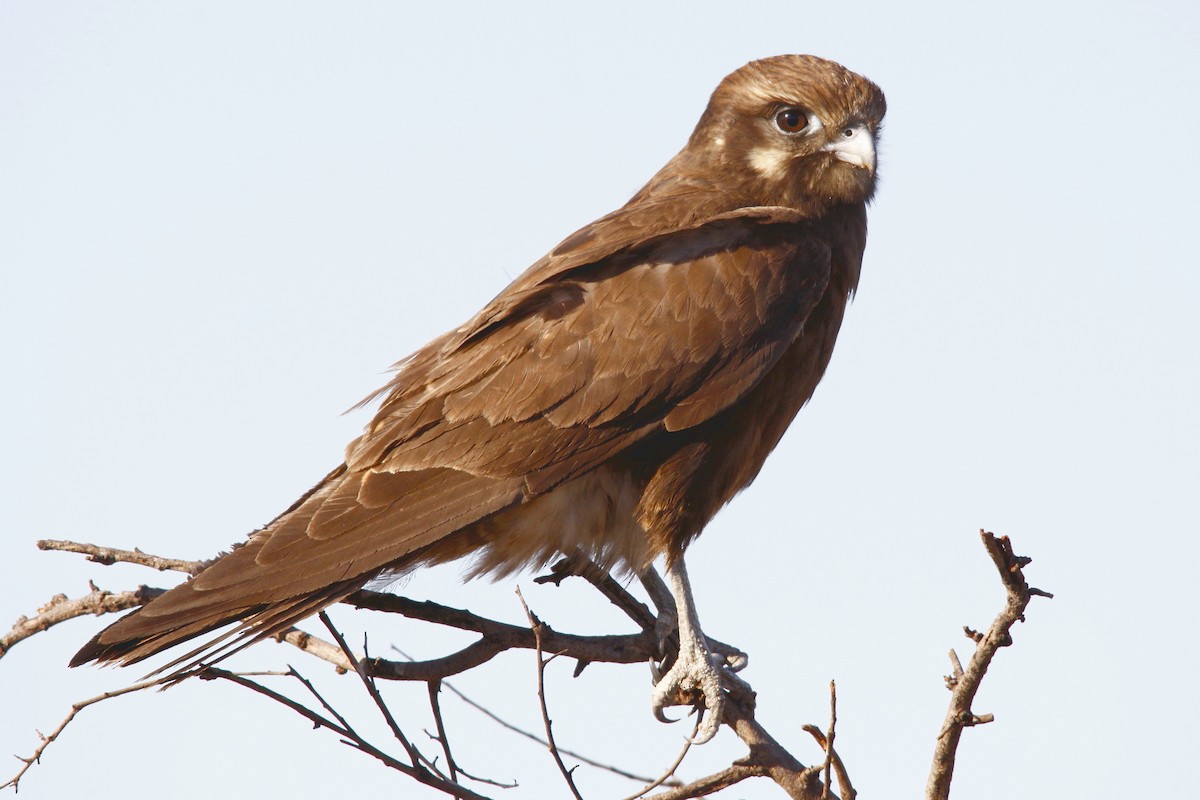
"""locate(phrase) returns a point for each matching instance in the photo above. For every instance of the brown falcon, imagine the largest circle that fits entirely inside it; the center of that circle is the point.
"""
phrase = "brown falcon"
(609, 401)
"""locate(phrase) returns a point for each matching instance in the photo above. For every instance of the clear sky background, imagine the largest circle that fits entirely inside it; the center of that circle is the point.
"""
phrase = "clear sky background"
(221, 222)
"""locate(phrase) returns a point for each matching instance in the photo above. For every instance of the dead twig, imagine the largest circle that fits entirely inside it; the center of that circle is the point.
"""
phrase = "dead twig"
(373, 691)
(766, 756)
(435, 707)
(342, 728)
(536, 625)
(496, 637)
(533, 737)
(830, 736)
(832, 760)
(61, 608)
(964, 683)
(111, 555)
(581, 566)
(48, 739)
(670, 771)
(714, 783)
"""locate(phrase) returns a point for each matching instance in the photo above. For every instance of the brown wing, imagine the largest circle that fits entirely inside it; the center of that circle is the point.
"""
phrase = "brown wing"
(555, 376)
(576, 361)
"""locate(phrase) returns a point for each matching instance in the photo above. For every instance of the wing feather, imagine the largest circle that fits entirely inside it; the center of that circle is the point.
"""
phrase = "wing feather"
(594, 349)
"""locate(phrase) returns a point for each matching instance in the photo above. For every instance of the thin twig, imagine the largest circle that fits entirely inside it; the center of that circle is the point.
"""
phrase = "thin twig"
(829, 737)
(348, 734)
(832, 759)
(536, 625)
(320, 698)
(373, 691)
(710, 784)
(579, 565)
(670, 771)
(489, 781)
(47, 740)
(533, 737)
(111, 555)
(434, 687)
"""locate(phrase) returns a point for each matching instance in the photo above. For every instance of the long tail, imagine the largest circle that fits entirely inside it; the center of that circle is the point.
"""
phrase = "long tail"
(349, 528)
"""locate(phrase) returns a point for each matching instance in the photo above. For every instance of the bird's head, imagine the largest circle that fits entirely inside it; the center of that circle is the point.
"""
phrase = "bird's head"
(793, 130)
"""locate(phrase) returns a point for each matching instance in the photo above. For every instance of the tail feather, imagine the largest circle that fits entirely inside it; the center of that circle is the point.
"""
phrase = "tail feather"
(268, 595)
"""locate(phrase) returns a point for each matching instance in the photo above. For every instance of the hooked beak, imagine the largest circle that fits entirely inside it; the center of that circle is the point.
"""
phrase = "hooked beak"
(855, 144)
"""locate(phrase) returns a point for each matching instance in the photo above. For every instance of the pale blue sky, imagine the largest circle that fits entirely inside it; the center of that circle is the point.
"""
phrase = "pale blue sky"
(220, 223)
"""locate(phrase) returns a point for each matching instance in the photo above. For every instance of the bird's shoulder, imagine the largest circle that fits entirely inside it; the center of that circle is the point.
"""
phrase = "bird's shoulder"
(637, 321)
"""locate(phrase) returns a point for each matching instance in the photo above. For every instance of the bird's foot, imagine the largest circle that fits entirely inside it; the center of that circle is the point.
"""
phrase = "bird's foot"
(698, 678)
(666, 630)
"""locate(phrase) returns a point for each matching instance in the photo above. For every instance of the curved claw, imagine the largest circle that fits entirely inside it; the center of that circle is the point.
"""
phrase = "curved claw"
(702, 671)
(710, 723)
(694, 675)
(706, 730)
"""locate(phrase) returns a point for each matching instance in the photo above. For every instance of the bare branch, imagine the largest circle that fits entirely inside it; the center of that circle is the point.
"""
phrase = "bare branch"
(325, 704)
(342, 728)
(47, 740)
(373, 691)
(964, 684)
(316, 646)
(60, 608)
(829, 737)
(670, 771)
(536, 625)
(713, 783)
(435, 707)
(832, 759)
(766, 757)
(581, 566)
(534, 737)
(111, 555)
(496, 638)
(664, 623)
(843, 778)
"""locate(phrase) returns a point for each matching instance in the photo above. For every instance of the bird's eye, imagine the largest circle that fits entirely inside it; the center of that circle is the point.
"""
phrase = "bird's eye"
(791, 120)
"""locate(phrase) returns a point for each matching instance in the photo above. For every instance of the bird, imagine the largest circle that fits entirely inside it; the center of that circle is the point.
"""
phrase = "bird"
(608, 402)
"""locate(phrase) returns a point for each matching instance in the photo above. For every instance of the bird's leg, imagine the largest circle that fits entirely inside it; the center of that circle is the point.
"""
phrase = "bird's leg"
(664, 629)
(697, 671)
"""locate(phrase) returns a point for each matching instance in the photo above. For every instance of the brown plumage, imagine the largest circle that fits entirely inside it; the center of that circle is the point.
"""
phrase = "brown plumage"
(611, 399)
